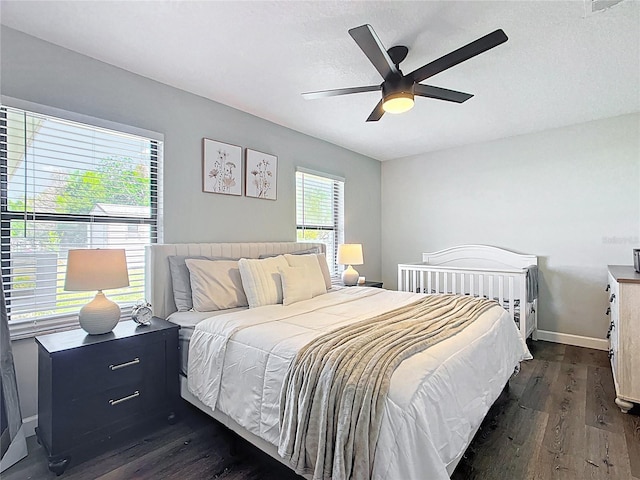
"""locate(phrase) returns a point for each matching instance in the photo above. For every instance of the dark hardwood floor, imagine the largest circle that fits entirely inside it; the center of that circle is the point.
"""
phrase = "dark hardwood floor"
(557, 420)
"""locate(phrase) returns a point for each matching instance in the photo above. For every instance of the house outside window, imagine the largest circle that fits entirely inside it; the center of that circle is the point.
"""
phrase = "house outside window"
(66, 185)
(320, 211)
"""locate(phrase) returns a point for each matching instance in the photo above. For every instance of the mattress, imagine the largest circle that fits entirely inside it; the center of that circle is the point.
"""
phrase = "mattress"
(187, 322)
(436, 400)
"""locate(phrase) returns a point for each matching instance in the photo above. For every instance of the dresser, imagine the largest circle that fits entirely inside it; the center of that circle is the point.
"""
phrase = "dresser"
(95, 389)
(624, 333)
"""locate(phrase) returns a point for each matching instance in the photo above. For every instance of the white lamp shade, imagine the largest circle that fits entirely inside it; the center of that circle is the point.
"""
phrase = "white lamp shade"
(350, 254)
(96, 269)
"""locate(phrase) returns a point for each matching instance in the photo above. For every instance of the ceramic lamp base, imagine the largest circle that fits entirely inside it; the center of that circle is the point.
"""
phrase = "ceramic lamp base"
(100, 315)
(350, 276)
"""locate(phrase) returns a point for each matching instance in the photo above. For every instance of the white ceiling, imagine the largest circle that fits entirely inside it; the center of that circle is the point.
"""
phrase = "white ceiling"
(562, 64)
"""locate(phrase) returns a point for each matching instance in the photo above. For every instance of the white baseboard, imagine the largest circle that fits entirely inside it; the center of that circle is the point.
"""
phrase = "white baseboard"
(576, 340)
(29, 424)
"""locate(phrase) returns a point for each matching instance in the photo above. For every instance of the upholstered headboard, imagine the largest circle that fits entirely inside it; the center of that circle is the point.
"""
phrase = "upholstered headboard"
(158, 287)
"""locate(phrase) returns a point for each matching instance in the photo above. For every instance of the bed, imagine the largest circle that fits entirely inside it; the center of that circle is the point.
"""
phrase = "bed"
(482, 271)
(436, 398)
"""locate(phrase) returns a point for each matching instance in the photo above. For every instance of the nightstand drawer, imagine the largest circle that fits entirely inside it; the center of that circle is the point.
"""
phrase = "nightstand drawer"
(113, 368)
(105, 409)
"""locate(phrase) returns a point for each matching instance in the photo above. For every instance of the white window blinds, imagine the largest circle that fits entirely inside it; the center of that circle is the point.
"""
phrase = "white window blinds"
(68, 185)
(320, 212)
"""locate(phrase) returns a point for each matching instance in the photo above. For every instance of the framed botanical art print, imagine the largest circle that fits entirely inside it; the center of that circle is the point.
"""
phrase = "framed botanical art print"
(221, 167)
(261, 175)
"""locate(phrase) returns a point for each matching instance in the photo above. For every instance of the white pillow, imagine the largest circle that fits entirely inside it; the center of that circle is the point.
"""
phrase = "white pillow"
(313, 275)
(215, 285)
(261, 280)
(295, 288)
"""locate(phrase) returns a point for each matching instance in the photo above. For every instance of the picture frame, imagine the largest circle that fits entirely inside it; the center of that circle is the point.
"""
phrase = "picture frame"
(221, 167)
(261, 175)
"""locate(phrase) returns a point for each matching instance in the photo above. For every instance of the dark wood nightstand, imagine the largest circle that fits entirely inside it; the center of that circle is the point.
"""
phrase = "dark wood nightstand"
(371, 284)
(93, 389)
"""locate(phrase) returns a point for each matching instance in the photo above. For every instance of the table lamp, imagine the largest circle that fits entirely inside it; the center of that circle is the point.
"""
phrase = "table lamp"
(97, 269)
(350, 254)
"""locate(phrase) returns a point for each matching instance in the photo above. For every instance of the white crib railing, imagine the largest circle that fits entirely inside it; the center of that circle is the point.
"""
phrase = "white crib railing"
(507, 286)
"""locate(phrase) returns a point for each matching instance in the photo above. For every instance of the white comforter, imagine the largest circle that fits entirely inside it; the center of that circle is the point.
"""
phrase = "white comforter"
(436, 400)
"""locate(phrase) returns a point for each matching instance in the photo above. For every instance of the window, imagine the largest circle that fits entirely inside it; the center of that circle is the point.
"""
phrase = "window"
(67, 185)
(320, 212)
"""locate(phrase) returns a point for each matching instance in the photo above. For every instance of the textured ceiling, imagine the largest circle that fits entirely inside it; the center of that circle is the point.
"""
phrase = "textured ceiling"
(562, 64)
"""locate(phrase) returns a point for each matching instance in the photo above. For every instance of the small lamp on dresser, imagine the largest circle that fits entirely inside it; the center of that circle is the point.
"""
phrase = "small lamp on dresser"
(97, 269)
(350, 254)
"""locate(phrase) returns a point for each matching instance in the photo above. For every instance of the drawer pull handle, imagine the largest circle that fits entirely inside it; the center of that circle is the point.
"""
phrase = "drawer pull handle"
(124, 399)
(612, 297)
(610, 354)
(608, 287)
(135, 361)
(608, 311)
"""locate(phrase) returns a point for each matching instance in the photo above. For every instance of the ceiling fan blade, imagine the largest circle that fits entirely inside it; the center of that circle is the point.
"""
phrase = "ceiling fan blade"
(441, 93)
(470, 50)
(372, 47)
(377, 113)
(340, 91)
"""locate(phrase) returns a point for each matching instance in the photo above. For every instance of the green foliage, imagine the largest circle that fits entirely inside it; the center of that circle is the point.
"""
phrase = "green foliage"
(26, 234)
(317, 204)
(17, 226)
(24, 281)
(115, 181)
(308, 235)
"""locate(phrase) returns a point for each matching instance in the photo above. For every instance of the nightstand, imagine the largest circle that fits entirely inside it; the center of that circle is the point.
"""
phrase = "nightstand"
(371, 284)
(94, 389)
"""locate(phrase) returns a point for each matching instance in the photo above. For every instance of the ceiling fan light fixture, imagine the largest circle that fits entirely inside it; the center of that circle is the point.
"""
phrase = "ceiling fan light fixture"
(398, 89)
(398, 102)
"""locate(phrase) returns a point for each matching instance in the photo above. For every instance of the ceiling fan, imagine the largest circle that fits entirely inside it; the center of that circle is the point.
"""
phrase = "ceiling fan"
(398, 90)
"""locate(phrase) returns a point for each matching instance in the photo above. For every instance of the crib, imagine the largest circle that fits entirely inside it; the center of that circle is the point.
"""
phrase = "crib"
(482, 271)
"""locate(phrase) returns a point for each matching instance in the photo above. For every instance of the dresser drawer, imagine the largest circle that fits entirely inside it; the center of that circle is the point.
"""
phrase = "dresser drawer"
(102, 371)
(624, 304)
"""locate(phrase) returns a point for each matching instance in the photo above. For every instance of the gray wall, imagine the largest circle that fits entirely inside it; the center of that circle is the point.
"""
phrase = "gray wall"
(569, 195)
(43, 73)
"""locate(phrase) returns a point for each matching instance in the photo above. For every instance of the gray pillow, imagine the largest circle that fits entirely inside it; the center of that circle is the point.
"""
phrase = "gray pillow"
(308, 251)
(181, 281)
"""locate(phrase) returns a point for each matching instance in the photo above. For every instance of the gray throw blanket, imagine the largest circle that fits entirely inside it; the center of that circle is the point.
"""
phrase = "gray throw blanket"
(334, 391)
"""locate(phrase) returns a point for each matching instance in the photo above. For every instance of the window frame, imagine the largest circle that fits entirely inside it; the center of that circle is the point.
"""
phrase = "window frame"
(64, 321)
(338, 220)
